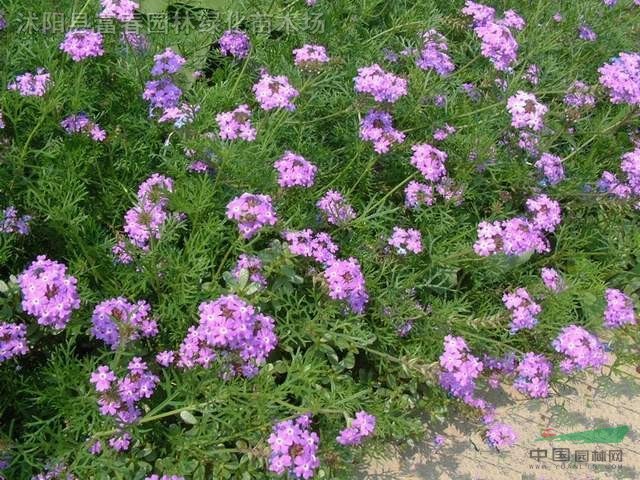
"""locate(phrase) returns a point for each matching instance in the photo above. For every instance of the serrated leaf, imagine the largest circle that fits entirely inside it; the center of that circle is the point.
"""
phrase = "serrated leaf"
(187, 417)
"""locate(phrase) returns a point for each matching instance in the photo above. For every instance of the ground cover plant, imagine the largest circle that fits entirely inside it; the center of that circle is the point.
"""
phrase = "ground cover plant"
(260, 239)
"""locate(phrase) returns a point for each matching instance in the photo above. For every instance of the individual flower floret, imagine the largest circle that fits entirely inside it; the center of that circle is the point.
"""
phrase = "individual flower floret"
(335, 208)
(345, 282)
(165, 358)
(406, 240)
(235, 43)
(319, 246)
(167, 63)
(293, 448)
(117, 321)
(621, 77)
(581, 349)
(310, 57)
(523, 309)
(275, 92)
(382, 85)
(252, 213)
(48, 293)
(31, 85)
(295, 171)
(121, 10)
(377, 128)
(526, 111)
(619, 310)
(236, 124)
(430, 161)
(361, 427)
(551, 167)
(552, 279)
(82, 44)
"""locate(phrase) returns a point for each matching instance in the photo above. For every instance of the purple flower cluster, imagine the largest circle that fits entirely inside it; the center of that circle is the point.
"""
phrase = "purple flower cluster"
(532, 74)
(251, 213)
(534, 371)
(433, 55)
(551, 167)
(162, 93)
(345, 282)
(523, 309)
(275, 92)
(32, 84)
(13, 340)
(236, 124)
(336, 209)
(253, 265)
(585, 32)
(167, 63)
(164, 477)
(406, 240)
(120, 442)
(441, 134)
(55, 472)
(631, 186)
(293, 448)
(501, 435)
(552, 279)
(48, 293)
(459, 370)
(235, 43)
(137, 41)
(319, 246)
(310, 57)
(377, 127)
(361, 427)
(418, 194)
(581, 349)
(119, 397)
(145, 220)
(526, 111)
(82, 44)
(232, 331)
(117, 321)
(619, 311)
(429, 161)
(579, 96)
(81, 123)
(11, 222)
(621, 77)
(121, 10)
(295, 171)
(381, 85)
(520, 235)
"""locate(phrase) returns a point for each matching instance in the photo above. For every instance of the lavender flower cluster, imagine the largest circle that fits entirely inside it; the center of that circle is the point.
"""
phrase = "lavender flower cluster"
(381, 85)
(335, 208)
(253, 265)
(294, 448)
(32, 84)
(620, 310)
(581, 349)
(534, 373)
(236, 124)
(13, 340)
(406, 240)
(252, 213)
(81, 123)
(622, 78)
(433, 55)
(117, 321)
(295, 171)
(235, 43)
(306, 243)
(275, 92)
(82, 44)
(12, 222)
(377, 127)
(523, 309)
(362, 426)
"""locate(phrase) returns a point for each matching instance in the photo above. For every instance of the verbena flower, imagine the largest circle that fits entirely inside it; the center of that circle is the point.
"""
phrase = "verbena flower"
(581, 349)
(621, 77)
(162, 93)
(361, 426)
(251, 213)
(275, 92)
(480, 13)
(418, 194)
(523, 309)
(48, 293)
(295, 171)
(167, 63)
(164, 477)
(498, 45)
(546, 212)
(345, 282)
(335, 208)
(117, 321)
(552, 279)
(310, 57)
(459, 369)
(319, 246)
(120, 442)
(82, 44)
(165, 358)
(32, 84)
(236, 124)
(579, 96)
(253, 265)
(406, 240)
(532, 74)
(619, 310)
(551, 167)
(137, 41)
(513, 20)
(429, 161)
(381, 85)
(534, 372)
(12, 222)
(443, 133)
(433, 55)
(180, 115)
(121, 10)
(294, 448)
(235, 43)
(231, 332)
(81, 123)
(13, 340)
(501, 435)
(526, 111)
(585, 32)
(377, 128)
(55, 472)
